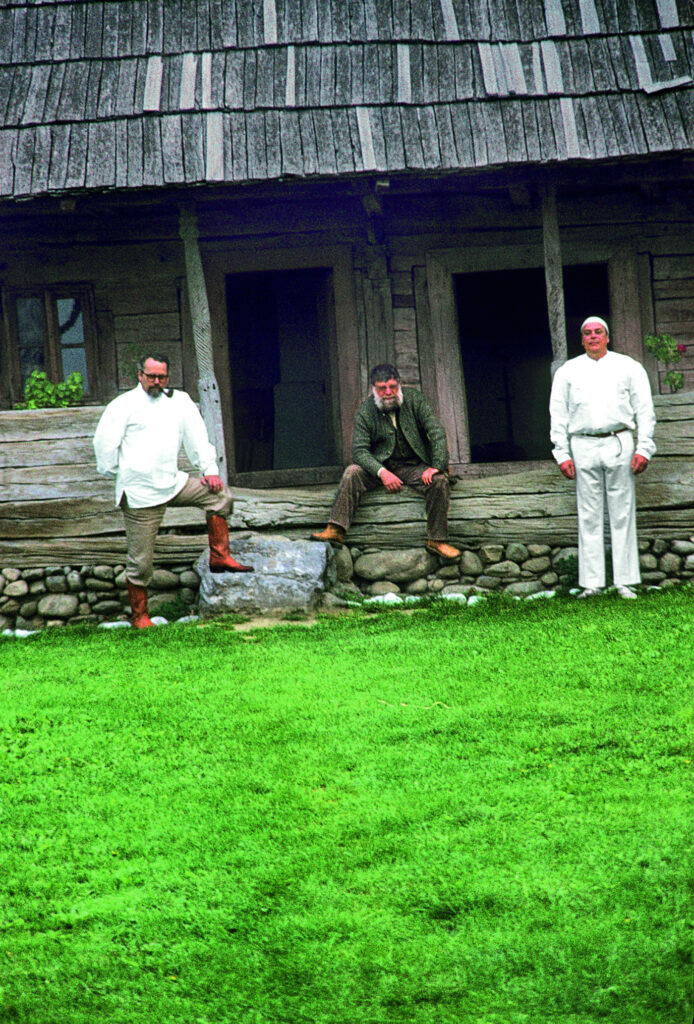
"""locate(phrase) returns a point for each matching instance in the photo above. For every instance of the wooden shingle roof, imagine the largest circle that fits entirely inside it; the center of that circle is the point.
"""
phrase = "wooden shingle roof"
(126, 94)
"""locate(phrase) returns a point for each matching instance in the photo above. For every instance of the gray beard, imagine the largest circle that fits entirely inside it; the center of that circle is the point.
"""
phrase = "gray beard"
(387, 404)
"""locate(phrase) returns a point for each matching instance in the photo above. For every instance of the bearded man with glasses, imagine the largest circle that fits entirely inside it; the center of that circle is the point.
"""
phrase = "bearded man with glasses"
(137, 442)
(397, 441)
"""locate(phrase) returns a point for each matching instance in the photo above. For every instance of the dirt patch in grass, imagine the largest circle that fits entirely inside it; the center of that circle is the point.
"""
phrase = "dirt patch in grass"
(244, 623)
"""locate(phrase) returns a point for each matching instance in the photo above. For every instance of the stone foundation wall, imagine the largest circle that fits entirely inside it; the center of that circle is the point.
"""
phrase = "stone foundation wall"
(34, 598)
(56, 595)
(516, 569)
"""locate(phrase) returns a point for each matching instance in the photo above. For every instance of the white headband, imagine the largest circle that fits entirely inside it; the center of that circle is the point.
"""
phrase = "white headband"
(595, 320)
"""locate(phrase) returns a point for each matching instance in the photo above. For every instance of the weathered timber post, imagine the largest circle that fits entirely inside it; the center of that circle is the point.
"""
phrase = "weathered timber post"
(377, 291)
(208, 388)
(553, 277)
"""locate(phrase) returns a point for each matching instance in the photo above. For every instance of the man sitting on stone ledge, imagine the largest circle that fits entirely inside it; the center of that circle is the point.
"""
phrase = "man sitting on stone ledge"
(397, 440)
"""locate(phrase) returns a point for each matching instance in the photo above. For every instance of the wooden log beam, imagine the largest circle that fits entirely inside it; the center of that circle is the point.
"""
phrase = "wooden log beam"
(554, 282)
(60, 512)
(169, 549)
(52, 452)
(208, 388)
(535, 505)
(41, 424)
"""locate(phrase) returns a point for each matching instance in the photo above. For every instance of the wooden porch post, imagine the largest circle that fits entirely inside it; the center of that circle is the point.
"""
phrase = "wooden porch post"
(208, 388)
(553, 277)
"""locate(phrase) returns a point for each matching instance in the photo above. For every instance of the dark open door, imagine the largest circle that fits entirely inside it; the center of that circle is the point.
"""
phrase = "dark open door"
(282, 369)
(506, 353)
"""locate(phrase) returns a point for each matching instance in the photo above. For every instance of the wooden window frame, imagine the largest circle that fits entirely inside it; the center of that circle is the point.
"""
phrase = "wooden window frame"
(344, 349)
(49, 294)
(631, 314)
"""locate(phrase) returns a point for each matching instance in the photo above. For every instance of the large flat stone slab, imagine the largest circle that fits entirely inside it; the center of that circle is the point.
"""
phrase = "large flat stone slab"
(398, 566)
(289, 575)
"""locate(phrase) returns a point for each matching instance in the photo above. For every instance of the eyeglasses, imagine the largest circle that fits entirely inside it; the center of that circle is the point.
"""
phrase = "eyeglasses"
(382, 387)
(151, 377)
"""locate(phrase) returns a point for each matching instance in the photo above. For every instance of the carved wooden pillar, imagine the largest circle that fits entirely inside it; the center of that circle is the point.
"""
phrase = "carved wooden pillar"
(208, 388)
(554, 282)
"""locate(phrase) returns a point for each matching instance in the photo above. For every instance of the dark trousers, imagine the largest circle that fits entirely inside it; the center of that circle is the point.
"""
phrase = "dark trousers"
(356, 481)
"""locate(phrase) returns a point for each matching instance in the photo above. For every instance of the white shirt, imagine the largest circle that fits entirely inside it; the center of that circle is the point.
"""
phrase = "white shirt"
(138, 440)
(596, 396)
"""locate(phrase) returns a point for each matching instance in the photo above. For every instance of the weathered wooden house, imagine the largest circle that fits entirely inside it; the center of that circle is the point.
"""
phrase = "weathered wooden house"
(281, 193)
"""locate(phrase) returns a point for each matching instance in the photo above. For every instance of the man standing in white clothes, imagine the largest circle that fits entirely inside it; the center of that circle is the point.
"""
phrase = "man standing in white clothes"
(137, 441)
(598, 401)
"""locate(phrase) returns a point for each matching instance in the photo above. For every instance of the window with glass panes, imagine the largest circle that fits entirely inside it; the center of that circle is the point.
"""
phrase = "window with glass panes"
(51, 330)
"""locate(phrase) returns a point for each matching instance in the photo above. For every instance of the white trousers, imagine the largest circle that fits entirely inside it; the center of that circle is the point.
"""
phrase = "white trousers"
(603, 471)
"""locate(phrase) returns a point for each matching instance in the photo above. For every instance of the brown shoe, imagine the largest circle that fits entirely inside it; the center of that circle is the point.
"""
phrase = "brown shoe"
(443, 550)
(332, 534)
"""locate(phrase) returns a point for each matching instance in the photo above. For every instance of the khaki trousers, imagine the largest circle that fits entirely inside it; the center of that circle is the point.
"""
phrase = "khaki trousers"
(356, 482)
(142, 524)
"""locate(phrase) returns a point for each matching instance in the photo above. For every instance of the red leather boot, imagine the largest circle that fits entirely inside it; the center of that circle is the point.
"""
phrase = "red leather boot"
(138, 604)
(220, 559)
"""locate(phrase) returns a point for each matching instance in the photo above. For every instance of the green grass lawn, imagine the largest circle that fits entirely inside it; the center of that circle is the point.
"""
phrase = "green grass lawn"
(456, 815)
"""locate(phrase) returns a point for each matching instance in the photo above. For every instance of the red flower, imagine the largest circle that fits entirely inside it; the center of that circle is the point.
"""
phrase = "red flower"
(681, 349)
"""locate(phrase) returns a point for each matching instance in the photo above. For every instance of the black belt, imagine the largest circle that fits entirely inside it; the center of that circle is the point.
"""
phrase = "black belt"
(610, 433)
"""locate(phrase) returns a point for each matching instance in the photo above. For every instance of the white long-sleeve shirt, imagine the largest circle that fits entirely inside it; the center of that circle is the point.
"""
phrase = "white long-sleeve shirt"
(596, 396)
(138, 440)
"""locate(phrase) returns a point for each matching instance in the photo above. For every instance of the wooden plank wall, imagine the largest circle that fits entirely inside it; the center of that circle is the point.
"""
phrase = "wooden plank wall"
(134, 258)
(137, 292)
(593, 228)
(673, 299)
(56, 510)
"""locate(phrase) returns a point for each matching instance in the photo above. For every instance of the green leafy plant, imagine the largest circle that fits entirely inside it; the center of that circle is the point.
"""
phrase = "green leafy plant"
(41, 393)
(666, 350)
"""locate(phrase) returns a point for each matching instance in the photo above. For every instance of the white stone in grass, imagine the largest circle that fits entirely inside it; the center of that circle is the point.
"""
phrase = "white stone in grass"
(188, 618)
(541, 595)
(411, 599)
(159, 620)
(575, 590)
(456, 598)
(8, 632)
(21, 633)
(114, 625)
(476, 599)
(384, 599)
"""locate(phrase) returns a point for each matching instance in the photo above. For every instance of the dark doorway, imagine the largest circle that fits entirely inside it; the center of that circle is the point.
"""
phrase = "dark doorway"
(507, 354)
(280, 338)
